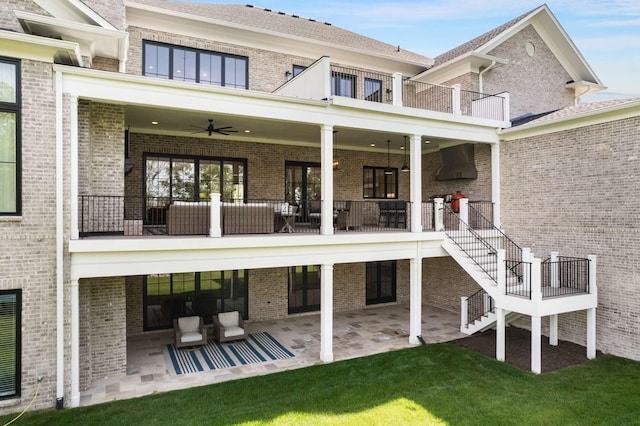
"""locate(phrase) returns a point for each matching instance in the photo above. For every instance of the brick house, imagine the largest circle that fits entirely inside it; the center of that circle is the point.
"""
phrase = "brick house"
(155, 154)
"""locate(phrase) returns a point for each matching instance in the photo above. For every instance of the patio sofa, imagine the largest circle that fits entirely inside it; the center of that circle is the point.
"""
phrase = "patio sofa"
(193, 218)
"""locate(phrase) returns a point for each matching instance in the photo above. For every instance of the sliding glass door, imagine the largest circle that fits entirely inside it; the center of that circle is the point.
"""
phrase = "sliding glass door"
(304, 289)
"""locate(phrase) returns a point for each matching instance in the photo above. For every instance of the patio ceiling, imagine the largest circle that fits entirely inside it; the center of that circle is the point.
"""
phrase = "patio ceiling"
(189, 123)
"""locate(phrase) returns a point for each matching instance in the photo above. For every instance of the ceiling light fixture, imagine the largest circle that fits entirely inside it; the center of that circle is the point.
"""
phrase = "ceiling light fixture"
(405, 168)
(388, 170)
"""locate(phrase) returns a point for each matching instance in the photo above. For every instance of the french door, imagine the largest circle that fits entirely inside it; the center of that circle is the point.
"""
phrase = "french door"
(304, 288)
(302, 184)
(381, 282)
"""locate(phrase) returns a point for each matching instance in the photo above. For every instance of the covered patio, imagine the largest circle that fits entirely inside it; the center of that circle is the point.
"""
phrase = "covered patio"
(356, 334)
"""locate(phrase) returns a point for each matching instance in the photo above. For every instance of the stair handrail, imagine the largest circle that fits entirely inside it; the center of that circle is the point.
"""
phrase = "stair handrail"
(513, 252)
(476, 306)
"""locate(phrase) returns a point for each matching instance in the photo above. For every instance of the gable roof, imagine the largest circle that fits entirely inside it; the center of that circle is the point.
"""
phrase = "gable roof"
(569, 112)
(285, 24)
(548, 28)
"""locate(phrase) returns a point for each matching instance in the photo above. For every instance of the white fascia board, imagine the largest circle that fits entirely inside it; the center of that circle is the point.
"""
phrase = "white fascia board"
(105, 42)
(139, 256)
(587, 118)
(158, 19)
(74, 10)
(27, 46)
(126, 89)
(470, 62)
(393, 119)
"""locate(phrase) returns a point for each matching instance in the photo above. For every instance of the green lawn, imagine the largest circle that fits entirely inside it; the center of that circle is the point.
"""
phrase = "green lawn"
(434, 384)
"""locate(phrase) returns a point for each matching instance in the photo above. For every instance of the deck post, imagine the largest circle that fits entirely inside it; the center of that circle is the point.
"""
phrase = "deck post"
(536, 347)
(397, 89)
(455, 101)
(464, 210)
(500, 334)
(536, 282)
(591, 333)
(464, 317)
(553, 330)
(555, 269)
(501, 279)
(215, 230)
(326, 312)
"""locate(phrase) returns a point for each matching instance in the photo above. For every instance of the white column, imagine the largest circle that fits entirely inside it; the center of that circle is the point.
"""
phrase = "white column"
(326, 161)
(536, 347)
(526, 268)
(215, 228)
(59, 240)
(75, 344)
(397, 89)
(593, 285)
(495, 183)
(455, 101)
(73, 172)
(416, 183)
(591, 333)
(438, 214)
(506, 106)
(326, 312)
(553, 330)
(501, 279)
(415, 299)
(500, 334)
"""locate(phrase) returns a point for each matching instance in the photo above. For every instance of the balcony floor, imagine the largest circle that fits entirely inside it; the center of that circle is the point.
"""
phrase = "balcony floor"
(356, 334)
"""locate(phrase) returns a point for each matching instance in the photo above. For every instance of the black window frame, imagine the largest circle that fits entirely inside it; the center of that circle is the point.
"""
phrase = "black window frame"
(198, 52)
(15, 108)
(17, 339)
(337, 78)
(306, 298)
(380, 171)
(375, 96)
(198, 293)
(378, 280)
(297, 69)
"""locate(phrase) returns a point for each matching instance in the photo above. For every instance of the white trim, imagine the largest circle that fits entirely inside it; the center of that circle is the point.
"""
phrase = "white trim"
(326, 312)
(73, 9)
(574, 121)
(27, 46)
(415, 298)
(73, 166)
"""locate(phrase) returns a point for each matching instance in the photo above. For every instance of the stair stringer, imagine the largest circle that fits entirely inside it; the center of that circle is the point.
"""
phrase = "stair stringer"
(472, 268)
(488, 321)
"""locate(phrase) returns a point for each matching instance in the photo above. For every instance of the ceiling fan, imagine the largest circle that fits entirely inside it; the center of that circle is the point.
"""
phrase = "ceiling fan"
(212, 129)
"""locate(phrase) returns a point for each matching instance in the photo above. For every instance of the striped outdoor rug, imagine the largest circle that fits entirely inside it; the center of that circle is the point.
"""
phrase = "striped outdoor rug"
(258, 347)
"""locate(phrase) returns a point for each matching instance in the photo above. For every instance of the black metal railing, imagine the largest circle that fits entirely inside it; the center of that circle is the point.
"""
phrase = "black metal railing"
(480, 214)
(479, 304)
(431, 97)
(372, 216)
(518, 278)
(361, 84)
(565, 276)
(428, 217)
(482, 105)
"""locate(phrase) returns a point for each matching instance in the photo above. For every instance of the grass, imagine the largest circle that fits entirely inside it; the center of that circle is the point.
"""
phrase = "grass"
(434, 384)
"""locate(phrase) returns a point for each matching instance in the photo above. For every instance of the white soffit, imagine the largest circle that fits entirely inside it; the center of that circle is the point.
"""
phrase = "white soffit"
(26, 46)
(75, 11)
(223, 31)
(104, 42)
(463, 64)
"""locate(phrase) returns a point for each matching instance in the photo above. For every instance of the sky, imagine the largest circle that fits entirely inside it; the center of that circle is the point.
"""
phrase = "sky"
(606, 32)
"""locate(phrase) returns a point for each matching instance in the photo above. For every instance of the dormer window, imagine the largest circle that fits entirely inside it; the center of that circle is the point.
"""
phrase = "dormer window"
(196, 66)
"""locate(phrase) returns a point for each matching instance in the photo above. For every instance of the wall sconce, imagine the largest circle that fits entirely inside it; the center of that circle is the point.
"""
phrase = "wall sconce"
(287, 75)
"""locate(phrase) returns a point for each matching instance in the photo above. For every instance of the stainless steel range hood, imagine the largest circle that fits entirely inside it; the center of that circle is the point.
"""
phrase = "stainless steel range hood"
(457, 162)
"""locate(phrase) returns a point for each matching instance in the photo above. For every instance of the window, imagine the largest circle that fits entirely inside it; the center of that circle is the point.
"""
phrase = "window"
(304, 288)
(373, 90)
(376, 184)
(197, 66)
(297, 69)
(381, 282)
(343, 84)
(169, 178)
(10, 351)
(10, 150)
(169, 296)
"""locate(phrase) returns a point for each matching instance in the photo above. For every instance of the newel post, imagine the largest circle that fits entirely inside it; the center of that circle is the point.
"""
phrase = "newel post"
(397, 89)
(464, 316)
(215, 228)
(438, 214)
(455, 101)
(464, 210)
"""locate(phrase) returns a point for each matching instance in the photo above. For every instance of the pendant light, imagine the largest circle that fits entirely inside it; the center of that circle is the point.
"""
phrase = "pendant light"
(405, 168)
(388, 170)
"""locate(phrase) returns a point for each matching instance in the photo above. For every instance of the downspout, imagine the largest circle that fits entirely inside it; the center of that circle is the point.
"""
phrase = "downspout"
(480, 85)
(59, 245)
